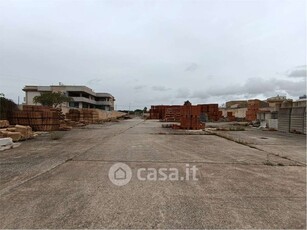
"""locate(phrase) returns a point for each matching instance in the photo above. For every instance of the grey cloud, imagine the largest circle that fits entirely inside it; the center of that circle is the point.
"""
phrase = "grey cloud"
(160, 88)
(192, 67)
(159, 44)
(139, 87)
(300, 71)
(182, 93)
(255, 87)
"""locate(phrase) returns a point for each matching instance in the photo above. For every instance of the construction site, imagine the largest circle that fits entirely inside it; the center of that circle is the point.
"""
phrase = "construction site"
(251, 174)
(153, 114)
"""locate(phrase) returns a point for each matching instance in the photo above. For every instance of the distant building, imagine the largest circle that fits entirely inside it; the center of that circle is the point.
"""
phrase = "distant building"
(236, 104)
(276, 102)
(83, 97)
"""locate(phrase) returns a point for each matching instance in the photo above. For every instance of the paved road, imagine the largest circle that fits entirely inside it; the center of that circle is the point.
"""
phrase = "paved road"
(65, 183)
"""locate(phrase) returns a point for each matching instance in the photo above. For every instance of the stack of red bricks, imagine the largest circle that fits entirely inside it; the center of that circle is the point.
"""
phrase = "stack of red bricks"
(253, 107)
(190, 117)
(157, 112)
(40, 118)
(230, 116)
(172, 113)
(212, 110)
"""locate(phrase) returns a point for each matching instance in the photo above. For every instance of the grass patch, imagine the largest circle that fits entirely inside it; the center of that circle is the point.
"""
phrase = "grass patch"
(236, 128)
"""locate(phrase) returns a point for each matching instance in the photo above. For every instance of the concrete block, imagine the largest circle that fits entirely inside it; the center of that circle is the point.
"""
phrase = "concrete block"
(4, 123)
(6, 141)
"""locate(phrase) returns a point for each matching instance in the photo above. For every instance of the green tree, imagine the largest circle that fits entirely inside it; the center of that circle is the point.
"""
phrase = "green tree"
(145, 110)
(53, 99)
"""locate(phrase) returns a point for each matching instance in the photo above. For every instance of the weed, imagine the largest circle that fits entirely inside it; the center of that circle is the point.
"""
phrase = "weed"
(56, 135)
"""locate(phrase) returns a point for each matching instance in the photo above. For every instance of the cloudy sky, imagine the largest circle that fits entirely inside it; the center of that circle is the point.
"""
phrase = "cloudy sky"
(156, 52)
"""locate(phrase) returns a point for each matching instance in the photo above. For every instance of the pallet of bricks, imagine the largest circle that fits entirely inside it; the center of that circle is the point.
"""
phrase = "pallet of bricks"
(153, 112)
(90, 116)
(86, 116)
(212, 111)
(253, 107)
(157, 112)
(40, 118)
(73, 115)
(172, 113)
(230, 116)
(190, 117)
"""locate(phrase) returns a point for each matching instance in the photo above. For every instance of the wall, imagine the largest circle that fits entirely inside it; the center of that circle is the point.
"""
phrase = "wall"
(238, 113)
(284, 115)
(30, 96)
(297, 121)
(273, 124)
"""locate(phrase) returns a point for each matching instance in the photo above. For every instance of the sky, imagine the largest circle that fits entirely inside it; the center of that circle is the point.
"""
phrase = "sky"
(156, 52)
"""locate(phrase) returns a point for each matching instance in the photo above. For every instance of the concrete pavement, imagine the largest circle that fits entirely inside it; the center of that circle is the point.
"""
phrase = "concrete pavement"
(65, 184)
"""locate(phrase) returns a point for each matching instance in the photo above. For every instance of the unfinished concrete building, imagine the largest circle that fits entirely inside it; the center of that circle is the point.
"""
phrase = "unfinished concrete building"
(83, 97)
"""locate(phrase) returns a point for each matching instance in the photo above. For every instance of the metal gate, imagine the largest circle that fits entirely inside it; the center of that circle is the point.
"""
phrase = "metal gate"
(297, 119)
(284, 119)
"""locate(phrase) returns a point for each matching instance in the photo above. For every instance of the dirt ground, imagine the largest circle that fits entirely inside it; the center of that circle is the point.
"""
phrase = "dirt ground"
(246, 179)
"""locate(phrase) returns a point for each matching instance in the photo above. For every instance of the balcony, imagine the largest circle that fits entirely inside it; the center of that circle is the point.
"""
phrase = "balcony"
(90, 101)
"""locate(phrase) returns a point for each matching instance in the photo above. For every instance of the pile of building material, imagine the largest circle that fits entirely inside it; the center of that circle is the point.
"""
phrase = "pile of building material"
(92, 116)
(7, 143)
(253, 107)
(17, 133)
(190, 117)
(73, 115)
(4, 124)
(230, 117)
(40, 118)
(89, 116)
(86, 116)
(173, 112)
(157, 111)
(211, 111)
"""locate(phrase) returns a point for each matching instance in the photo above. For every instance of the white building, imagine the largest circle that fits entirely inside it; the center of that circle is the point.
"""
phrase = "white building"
(83, 97)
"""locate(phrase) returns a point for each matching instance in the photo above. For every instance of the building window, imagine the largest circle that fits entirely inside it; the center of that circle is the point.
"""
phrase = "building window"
(74, 104)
